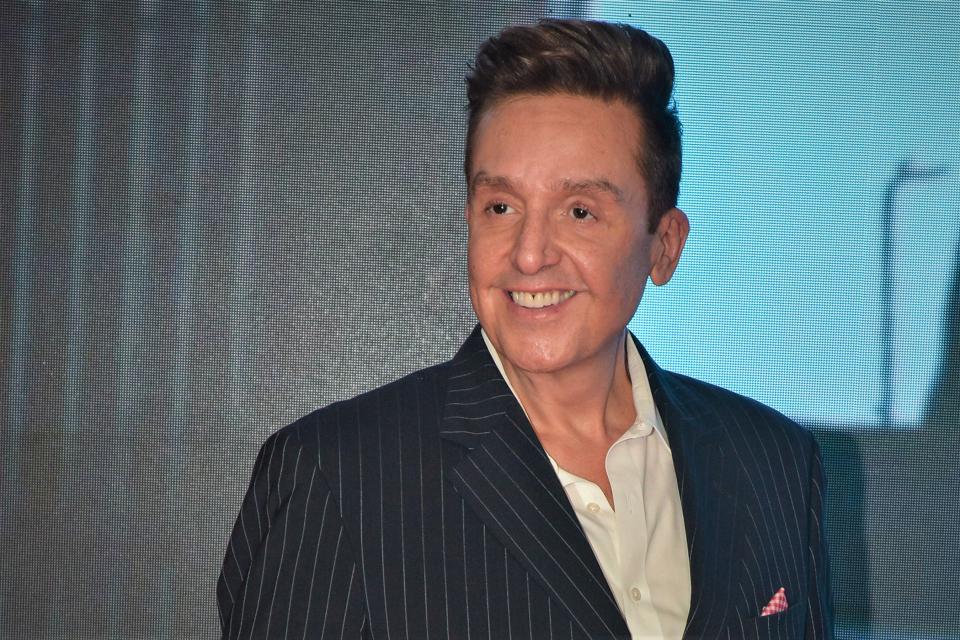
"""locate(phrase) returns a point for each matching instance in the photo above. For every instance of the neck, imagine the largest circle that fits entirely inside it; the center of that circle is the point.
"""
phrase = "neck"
(592, 400)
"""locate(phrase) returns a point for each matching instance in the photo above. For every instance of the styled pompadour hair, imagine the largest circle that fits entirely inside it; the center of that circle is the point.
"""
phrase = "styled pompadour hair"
(594, 59)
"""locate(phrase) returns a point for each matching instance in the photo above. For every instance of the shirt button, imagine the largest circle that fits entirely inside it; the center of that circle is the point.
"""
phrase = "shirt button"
(593, 507)
(635, 594)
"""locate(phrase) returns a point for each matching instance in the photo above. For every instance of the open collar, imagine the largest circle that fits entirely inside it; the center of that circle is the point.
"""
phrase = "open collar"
(505, 478)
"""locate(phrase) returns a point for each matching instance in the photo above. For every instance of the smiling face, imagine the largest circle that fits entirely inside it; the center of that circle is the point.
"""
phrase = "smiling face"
(559, 248)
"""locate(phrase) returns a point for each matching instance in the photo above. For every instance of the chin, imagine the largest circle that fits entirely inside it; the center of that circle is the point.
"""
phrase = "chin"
(534, 356)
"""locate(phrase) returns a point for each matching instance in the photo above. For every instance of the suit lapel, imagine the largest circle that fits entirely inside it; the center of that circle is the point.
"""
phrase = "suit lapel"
(709, 484)
(507, 480)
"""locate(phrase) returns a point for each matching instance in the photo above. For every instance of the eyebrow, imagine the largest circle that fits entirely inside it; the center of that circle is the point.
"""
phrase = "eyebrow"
(483, 179)
(601, 185)
(591, 185)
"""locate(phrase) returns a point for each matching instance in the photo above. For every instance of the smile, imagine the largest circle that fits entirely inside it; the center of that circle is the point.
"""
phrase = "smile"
(540, 299)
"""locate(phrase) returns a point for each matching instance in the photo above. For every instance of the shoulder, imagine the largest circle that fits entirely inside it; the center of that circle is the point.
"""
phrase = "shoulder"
(422, 384)
(738, 415)
(703, 407)
(751, 449)
(344, 428)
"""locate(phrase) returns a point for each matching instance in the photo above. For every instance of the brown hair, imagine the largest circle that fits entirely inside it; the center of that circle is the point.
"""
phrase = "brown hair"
(594, 59)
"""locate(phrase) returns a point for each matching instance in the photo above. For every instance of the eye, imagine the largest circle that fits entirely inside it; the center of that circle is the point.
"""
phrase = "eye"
(499, 208)
(581, 213)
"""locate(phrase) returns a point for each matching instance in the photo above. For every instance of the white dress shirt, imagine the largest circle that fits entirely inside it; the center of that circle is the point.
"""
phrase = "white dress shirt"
(642, 545)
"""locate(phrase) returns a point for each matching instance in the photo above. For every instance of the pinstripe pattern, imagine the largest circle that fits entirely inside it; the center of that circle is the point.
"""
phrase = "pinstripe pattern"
(428, 509)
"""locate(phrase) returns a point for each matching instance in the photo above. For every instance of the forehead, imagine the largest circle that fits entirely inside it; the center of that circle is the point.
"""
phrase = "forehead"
(557, 138)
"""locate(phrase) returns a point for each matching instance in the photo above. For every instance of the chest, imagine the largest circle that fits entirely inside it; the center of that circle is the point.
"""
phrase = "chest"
(447, 574)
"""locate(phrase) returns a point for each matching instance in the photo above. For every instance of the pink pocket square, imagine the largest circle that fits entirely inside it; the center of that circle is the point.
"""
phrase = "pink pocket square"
(777, 603)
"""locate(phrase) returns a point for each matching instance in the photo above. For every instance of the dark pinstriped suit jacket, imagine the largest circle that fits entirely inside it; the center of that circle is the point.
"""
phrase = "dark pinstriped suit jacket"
(428, 509)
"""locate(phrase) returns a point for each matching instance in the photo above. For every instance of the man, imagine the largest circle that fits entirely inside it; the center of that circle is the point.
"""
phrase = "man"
(550, 481)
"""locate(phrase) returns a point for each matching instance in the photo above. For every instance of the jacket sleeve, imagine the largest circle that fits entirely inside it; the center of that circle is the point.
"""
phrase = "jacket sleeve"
(819, 625)
(289, 570)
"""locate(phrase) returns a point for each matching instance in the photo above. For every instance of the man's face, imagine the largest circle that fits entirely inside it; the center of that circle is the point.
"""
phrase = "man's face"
(559, 248)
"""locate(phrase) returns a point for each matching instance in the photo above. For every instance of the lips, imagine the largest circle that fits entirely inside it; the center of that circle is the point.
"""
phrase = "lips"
(540, 299)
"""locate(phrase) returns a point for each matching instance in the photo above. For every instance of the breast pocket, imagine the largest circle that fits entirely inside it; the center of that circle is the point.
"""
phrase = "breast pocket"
(787, 625)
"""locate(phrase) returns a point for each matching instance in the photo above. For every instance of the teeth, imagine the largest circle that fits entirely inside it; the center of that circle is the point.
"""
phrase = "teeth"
(540, 299)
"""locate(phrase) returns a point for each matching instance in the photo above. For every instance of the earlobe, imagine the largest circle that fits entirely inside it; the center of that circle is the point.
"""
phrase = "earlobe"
(672, 232)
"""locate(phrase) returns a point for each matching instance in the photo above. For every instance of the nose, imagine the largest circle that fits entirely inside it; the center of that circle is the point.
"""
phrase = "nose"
(534, 246)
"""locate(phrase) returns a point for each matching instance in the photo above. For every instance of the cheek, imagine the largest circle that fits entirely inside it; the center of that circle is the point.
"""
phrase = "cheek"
(475, 259)
(622, 271)
(602, 265)
(485, 251)
(481, 265)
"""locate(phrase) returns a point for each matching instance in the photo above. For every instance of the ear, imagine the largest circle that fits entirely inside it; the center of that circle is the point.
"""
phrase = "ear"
(671, 235)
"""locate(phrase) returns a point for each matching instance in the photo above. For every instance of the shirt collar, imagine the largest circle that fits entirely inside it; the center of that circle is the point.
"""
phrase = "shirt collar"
(648, 418)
